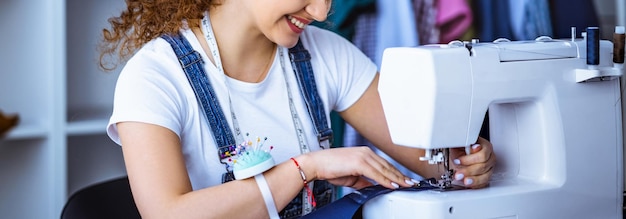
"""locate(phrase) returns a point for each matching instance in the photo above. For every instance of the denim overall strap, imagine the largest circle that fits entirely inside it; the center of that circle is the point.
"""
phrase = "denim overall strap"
(301, 62)
(193, 65)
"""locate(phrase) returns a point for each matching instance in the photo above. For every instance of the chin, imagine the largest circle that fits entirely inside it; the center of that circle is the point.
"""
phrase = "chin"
(287, 43)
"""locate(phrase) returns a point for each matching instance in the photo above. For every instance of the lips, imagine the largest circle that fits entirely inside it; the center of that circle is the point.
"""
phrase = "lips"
(296, 24)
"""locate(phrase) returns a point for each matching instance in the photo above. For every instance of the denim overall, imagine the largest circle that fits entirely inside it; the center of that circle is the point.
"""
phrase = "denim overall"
(192, 63)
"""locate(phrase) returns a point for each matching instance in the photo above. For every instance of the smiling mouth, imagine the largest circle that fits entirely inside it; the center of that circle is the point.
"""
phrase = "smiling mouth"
(296, 22)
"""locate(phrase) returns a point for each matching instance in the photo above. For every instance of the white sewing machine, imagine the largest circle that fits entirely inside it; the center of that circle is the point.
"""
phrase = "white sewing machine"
(555, 124)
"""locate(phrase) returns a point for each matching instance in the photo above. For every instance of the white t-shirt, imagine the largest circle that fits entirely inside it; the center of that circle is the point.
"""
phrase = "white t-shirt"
(152, 88)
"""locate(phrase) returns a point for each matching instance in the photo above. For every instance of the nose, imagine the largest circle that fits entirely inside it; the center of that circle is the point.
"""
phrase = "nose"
(318, 9)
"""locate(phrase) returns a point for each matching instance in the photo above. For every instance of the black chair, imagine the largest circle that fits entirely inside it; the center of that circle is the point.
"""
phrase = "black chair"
(109, 199)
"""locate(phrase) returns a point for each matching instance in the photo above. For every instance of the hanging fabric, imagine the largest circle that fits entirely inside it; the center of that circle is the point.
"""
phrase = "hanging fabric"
(566, 14)
(426, 18)
(532, 21)
(493, 19)
(343, 14)
(454, 17)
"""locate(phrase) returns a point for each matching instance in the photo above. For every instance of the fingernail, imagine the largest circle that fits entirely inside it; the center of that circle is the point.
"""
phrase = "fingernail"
(415, 181)
(475, 146)
(459, 176)
(409, 182)
(395, 185)
(457, 161)
(468, 181)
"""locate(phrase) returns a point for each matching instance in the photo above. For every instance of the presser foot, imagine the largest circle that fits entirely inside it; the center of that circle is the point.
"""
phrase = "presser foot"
(438, 185)
(441, 185)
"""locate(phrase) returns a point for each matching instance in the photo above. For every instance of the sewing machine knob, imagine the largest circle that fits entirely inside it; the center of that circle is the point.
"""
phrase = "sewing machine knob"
(543, 39)
(502, 40)
(456, 43)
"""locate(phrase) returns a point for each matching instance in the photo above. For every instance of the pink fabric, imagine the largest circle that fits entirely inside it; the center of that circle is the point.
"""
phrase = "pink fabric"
(454, 17)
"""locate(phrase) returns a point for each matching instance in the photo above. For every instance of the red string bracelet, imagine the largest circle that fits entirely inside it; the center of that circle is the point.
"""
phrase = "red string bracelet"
(306, 186)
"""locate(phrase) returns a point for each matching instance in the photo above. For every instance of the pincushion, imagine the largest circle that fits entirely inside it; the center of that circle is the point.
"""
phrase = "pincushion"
(252, 160)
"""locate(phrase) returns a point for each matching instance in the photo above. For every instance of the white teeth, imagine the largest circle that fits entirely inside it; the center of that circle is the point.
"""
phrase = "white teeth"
(296, 22)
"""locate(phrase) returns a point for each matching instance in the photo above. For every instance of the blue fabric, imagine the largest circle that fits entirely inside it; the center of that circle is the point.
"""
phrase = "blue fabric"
(537, 20)
(572, 13)
(348, 206)
(532, 21)
(493, 19)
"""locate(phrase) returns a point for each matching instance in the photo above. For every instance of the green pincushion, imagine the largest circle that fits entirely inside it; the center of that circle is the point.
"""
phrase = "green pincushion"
(252, 160)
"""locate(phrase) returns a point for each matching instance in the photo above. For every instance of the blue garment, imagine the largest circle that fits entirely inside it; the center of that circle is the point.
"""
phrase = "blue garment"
(572, 13)
(348, 206)
(536, 19)
(492, 19)
(532, 21)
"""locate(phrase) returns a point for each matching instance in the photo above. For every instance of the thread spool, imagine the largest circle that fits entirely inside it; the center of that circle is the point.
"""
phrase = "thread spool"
(593, 46)
(618, 45)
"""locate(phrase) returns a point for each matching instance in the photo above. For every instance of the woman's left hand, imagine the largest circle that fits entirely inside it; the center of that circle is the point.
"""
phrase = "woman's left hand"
(474, 170)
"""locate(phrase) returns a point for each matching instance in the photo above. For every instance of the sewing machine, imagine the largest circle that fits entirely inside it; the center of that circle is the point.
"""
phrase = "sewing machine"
(555, 125)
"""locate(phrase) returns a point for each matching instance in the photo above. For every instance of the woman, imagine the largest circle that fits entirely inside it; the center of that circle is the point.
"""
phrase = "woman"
(168, 145)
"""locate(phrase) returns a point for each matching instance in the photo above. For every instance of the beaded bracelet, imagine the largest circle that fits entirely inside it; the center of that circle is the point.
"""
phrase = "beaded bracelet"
(306, 186)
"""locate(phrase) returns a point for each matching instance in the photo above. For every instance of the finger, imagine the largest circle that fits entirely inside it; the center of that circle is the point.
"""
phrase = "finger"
(479, 154)
(386, 174)
(484, 142)
(472, 170)
(479, 181)
(400, 178)
(474, 175)
(475, 148)
(456, 154)
(477, 168)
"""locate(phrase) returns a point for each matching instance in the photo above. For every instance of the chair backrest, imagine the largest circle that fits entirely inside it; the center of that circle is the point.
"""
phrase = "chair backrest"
(109, 199)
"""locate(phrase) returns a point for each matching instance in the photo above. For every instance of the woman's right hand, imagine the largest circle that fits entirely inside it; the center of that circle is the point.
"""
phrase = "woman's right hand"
(347, 166)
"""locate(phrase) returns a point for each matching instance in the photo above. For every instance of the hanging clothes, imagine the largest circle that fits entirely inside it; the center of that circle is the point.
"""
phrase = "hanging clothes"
(532, 21)
(343, 15)
(517, 18)
(365, 34)
(426, 17)
(471, 32)
(396, 26)
(453, 19)
(393, 24)
(566, 14)
(493, 19)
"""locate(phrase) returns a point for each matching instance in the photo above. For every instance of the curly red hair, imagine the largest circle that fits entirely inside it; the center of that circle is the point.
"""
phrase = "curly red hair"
(141, 22)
